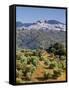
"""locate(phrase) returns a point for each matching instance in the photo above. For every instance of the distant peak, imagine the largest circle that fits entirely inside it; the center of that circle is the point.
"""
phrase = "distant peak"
(54, 22)
(19, 24)
(45, 21)
(39, 21)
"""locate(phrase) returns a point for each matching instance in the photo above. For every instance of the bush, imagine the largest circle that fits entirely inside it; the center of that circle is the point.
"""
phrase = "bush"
(57, 56)
(33, 68)
(53, 65)
(24, 59)
(47, 62)
(18, 56)
(63, 65)
(34, 53)
(62, 58)
(28, 76)
(34, 60)
(18, 80)
(48, 74)
(25, 69)
(18, 65)
(59, 65)
(41, 58)
(58, 46)
(28, 53)
(39, 52)
(56, 73)
(60, 52)
(52, 50)
(19, 73)
(28, 60)
(22, 50)
(28, 69)
(57, 49)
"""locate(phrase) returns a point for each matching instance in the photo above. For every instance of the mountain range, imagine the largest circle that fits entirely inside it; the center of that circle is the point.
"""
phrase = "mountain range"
(44, 25)
(40, 34)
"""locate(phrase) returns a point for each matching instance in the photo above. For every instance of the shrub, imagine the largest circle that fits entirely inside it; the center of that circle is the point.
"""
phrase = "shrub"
(56, 73)
(63, 65)
(19, 73)
(28, 68)
(51, 55)
(28, 76)
(53, 65)
(47, 62)
(48, 74)
(34, 60)
(28, 53)
(57, 49)
(28, 60)
(59, 65)
(41, 58)
(32, 68)
(58, 46)
(39, 52)
(25, 69)
(52, 50)
(22, 50)
(18, 65)
(62, 58)
(60, 52)
(24, 59)
(18, 80)
(34, 52)
(18, 56)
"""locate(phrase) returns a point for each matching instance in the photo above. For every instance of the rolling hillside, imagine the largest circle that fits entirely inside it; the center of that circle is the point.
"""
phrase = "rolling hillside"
(33, 39)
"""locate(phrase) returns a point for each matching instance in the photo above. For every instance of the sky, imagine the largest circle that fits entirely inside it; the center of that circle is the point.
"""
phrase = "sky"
(31, 14)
